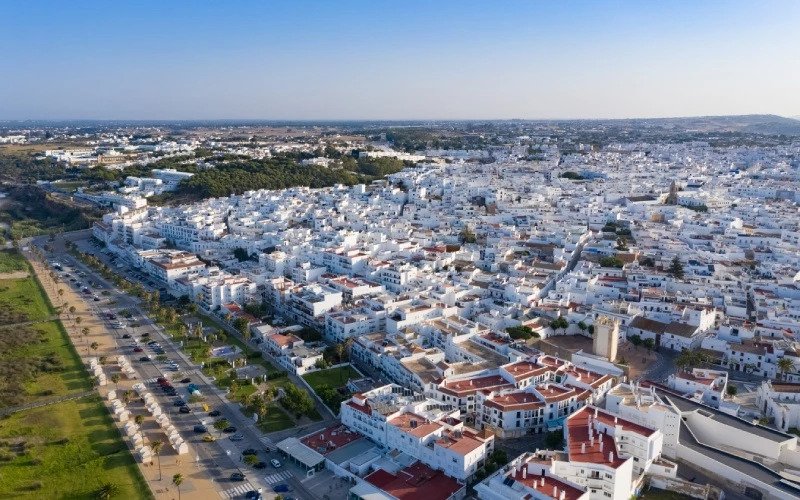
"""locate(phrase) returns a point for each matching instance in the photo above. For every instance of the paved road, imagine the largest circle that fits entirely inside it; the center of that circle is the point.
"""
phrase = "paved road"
(221, 459)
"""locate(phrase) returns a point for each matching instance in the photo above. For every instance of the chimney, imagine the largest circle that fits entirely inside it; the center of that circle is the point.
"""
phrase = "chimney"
(524, 472)
(542, 481)
(591, 439)
(555, 491)
(601, 445)
(562, 495)
(595, 412)
(583, 447)
(514, 472)
(615, 419)
(610, 456)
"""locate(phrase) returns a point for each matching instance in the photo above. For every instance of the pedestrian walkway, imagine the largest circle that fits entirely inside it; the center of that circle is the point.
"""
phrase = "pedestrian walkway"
(37, 404)
(276, 478)
(239, 491)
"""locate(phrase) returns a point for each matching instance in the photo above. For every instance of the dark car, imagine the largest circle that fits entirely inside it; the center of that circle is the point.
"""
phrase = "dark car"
(152, 342)
(186, 380)
(96, 299)
(137, 349)
(179, 402)
(250, 451)
(253, 495)
(200, 428)
(144, 358)
(126, 336)
(185, 409)
(214, 413)
(237, 476)
(260, 465)
(280, 488)
(229, 429)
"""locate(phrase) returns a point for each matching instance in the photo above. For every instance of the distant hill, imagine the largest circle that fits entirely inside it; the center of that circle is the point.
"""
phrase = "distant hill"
(757, 124)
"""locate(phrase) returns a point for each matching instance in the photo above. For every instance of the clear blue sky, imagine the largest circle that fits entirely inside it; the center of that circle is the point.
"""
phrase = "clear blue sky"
(337, 59)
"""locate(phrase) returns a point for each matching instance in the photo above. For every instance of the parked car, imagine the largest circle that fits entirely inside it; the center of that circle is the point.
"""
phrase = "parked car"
(138, 349)
(230, 429)
(280, 488)
(237, 476)
(144, 358)
(260, 465)
(179, 402)
(208, 438)
(275, 463)
(126, 336)
(237, 437)
(186, 380)
(253, 495)
(250, 451)
(185, 409)
(214, 413)
(200, 429)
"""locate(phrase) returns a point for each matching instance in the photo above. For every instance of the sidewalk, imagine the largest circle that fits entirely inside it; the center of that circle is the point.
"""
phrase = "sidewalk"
(196, 485)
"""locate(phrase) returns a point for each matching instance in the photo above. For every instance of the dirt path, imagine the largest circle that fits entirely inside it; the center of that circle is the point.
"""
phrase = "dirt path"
(171, 463)
(14, 275)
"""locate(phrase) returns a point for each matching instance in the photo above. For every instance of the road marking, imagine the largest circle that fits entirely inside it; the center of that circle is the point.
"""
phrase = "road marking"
(281, 476)
(238, 491)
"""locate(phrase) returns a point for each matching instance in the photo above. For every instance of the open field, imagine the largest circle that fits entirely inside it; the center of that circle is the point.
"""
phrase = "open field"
(12, 261)
(66, 450)
(333, 377)
(54, 342)
(24, 296)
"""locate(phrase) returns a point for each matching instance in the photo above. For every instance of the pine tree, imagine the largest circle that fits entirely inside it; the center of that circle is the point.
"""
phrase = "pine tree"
(676, 268)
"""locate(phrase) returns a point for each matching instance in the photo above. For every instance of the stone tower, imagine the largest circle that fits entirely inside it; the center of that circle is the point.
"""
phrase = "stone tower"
(606, 337)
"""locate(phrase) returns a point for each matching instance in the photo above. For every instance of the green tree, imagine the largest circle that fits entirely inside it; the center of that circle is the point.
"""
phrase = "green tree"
(466, 235)
(156, 447)
(732, 390)
(554, 440)
(676, 268)
(611, 262)
(250, 460)
(649, 344)
(785, 365)
(177, 480)
(221, 424)
(636, 340)
(106, 491)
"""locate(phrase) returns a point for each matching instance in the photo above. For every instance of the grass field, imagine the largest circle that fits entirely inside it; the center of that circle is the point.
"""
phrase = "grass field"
(11, 260)
(654, 494)
(66, 450)
(72, 378)
(25, 296)
(333, 377)
(68, 186)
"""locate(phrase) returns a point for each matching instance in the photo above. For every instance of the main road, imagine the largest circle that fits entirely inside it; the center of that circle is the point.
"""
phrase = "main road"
(220, 459)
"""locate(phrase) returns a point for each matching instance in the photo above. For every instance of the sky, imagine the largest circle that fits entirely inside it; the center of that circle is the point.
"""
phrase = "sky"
(436, 59)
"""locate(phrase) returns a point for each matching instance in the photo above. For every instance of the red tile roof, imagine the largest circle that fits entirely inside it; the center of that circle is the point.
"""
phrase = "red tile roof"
(416, 481)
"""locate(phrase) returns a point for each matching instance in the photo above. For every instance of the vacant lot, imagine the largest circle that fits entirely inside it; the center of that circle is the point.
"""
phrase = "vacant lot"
(66, 450)
(11, 261)
(23, 296)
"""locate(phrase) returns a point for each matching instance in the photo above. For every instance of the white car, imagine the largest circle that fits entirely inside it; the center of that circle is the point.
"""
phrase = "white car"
(275, 463)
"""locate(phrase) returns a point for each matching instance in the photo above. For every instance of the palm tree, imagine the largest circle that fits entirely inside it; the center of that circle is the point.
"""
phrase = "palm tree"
(94, 346)
(78, 320)
(228, 318)
(177, 480)
(139, 419)
(156, 446)
(107, 491)
(785, 365)
(60, 294)
(72, 309)
(85, 332)
(115, 379)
